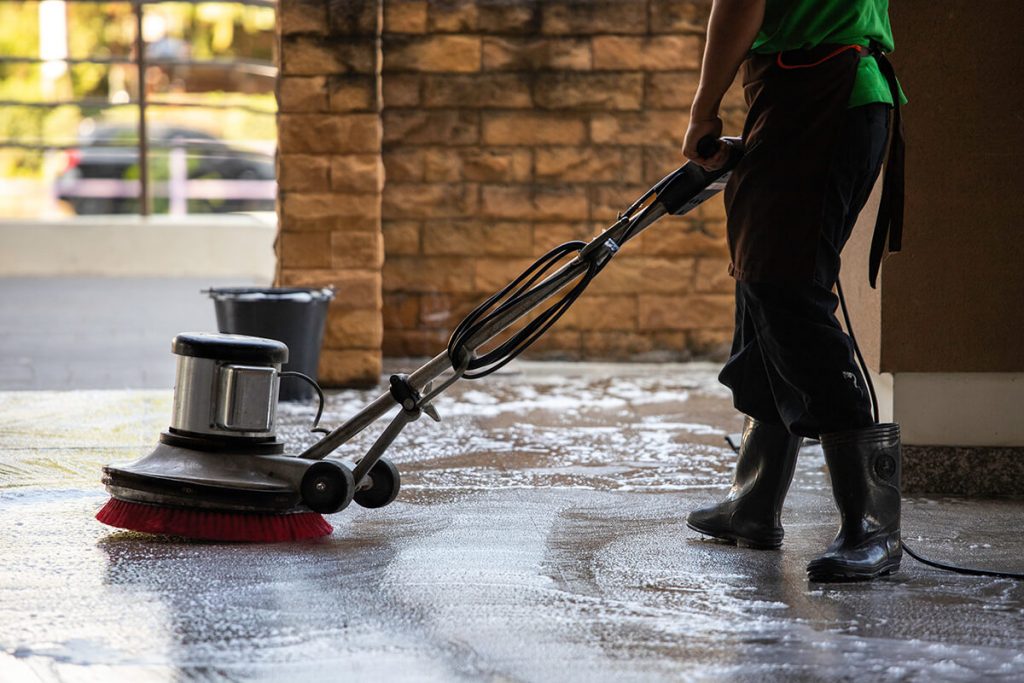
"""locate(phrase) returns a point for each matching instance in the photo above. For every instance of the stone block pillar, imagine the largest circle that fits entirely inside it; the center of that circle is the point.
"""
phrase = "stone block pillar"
(330, 175)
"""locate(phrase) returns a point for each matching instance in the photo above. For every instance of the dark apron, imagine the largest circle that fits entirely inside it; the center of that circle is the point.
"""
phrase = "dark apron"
(775, 197)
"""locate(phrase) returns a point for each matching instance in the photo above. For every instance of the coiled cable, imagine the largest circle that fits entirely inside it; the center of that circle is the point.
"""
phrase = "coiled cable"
(506, 300)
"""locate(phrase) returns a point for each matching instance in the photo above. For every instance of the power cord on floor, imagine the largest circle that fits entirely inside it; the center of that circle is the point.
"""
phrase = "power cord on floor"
(874, 409)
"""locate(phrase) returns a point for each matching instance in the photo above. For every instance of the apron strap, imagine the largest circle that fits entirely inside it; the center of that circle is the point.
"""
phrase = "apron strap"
(889, 224)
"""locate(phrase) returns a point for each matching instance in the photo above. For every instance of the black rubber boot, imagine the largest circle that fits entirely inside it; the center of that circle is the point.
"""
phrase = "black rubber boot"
(864, 465)
(751, 513)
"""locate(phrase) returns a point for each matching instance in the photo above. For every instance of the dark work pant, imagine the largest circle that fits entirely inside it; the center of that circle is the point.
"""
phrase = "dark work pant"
(791, 362)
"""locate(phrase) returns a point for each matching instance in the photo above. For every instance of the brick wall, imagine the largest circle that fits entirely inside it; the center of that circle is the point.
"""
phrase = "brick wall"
(512, 126)
(505, 127)
(330, 174)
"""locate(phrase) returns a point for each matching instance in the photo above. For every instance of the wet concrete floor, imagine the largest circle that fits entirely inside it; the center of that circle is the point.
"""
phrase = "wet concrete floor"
(539, 536)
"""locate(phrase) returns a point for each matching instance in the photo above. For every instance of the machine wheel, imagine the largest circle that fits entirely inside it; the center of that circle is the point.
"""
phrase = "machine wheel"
(384, 488)
(327, 487)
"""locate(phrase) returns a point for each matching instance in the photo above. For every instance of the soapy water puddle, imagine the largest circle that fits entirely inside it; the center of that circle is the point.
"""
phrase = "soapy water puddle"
(540, 524)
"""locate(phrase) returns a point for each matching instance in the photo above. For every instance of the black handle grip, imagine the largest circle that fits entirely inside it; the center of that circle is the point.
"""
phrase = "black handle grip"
(707, 146)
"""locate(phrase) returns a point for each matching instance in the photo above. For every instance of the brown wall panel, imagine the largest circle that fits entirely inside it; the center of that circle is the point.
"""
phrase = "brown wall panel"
(953, 300)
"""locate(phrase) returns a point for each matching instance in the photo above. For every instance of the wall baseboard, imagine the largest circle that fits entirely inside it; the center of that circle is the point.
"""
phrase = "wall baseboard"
(978, 472)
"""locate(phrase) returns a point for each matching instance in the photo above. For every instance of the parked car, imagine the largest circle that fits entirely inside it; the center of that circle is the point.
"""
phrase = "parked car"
(110, 153)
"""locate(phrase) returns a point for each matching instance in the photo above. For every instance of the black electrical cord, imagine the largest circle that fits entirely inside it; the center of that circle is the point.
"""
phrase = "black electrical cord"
(971, 571)
(320, 395)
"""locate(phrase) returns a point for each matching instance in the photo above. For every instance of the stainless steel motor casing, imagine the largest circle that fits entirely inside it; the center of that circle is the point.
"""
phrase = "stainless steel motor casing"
(226, 385)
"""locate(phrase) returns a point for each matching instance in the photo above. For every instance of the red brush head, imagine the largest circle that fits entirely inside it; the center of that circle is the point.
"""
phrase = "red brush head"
(213, 525)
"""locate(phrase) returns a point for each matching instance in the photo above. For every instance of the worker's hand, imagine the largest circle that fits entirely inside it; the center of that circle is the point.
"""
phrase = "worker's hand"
(698, 129)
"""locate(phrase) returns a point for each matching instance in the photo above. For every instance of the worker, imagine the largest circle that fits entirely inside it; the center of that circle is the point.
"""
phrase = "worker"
(820, 94)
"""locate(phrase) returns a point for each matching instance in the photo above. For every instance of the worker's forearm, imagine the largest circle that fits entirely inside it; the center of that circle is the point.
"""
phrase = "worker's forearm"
(731, 31)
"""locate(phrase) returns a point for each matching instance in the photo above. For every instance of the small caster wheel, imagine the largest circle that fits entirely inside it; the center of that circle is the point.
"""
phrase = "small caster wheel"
(327, 487)
(384, 486)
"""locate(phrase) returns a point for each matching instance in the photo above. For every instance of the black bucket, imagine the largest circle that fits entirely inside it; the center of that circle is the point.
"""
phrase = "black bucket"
(293, 315)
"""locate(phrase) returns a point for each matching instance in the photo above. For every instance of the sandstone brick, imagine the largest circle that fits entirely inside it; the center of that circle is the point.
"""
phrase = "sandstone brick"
(352, 93)
(303, 94)
(414, 200)
(660, 161)
(305, 172)
(328, 133)
(547, 236)
(591, 312)
(358, 173)
(352, 17)
(428, 274)
(354, 289)
(437, 53)
(404, 164)
(496, 165)
(624, 276)
(452, 238)
(304, 249)
(414, 343)
(520, 202)
(593, 16)
(401, 238)
(405, 16)
(713, 345)
(338, 207)
(441, 165)
(305, 55)
(510, 91)
(357, 250)
(657, 53)
(502, 16)
(639, 128)
(534, 54)
(671, 89)
(606, 201)
(557, 344)
(302, 17)
(618, 346)
(440, 310)
(353, 329)
(533, 128)
(677, 237)
(401, 311)
(491, 274)
(715, 229)
(473, 238)
(672, 16)
(586, 164)
(659, 312)
(440, 127)
(713, 276)
(401, 90)
(350, 368)
(601, 91)
(669, 345)
(358, 289)
(452, 16)
(306, 277)
(669, 275)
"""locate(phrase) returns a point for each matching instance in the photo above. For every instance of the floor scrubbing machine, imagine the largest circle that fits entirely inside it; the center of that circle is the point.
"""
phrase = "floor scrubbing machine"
(219, 472)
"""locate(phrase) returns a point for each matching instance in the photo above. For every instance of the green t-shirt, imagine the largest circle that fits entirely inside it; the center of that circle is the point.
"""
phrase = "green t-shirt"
(799, 24)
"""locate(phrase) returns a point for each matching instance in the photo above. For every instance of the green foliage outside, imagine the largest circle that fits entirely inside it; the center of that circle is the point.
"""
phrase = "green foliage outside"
(106, 30)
